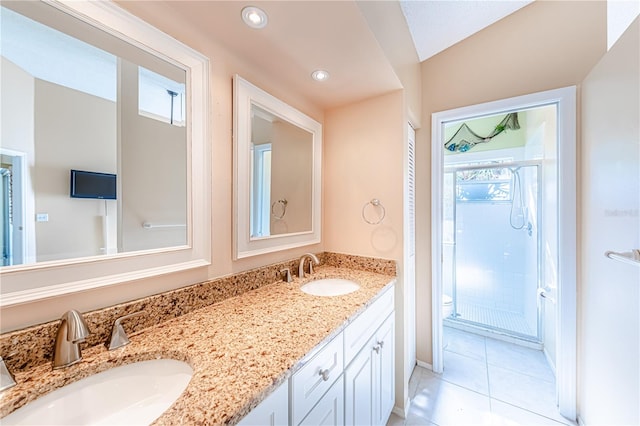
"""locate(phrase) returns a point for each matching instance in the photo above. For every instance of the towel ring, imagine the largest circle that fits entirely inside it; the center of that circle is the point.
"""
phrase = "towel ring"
(375, 203)
(284, 203)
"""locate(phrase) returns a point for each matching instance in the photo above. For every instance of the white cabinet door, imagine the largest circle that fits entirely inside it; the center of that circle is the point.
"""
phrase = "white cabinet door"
(369, 380)
(273, 411)
(330, 409)
(358, 385)
(384, 371)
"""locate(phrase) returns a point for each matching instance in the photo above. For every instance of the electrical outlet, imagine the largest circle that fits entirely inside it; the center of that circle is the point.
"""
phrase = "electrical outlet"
(42, 217)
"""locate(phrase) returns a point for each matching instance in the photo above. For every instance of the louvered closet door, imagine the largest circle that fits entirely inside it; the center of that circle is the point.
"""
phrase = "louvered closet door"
(410, 248)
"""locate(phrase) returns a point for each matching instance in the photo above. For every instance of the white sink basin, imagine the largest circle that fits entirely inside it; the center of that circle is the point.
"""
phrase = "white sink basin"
(132, 394)
(330, 287)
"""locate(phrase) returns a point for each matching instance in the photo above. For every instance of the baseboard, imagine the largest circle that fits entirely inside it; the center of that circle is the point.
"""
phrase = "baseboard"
(424, 365)
(400, 412)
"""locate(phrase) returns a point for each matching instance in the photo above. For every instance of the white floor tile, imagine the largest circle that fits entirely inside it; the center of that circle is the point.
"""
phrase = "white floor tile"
(485, 382)
(444, 403)
(415, 380)
(518, 358)
(523, 391)
(464, 343)
(507, 415)
(467, 372)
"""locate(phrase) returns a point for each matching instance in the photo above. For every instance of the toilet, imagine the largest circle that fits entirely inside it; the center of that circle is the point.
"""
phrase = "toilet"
(447, 306)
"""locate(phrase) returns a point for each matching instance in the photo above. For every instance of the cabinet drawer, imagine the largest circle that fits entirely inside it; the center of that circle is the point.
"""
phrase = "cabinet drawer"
(313, 380)
(362, 328)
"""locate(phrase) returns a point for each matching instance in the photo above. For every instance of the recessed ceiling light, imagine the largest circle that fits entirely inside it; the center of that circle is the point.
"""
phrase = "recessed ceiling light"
(254, 17)
(320, 75)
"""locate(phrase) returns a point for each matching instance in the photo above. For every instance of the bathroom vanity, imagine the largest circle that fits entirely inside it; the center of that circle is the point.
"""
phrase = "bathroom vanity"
(348, 380)
(251, 347)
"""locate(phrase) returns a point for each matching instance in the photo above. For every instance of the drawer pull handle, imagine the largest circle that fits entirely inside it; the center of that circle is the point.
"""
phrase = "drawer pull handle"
(377, 348)
(381, 344)
(324, 374)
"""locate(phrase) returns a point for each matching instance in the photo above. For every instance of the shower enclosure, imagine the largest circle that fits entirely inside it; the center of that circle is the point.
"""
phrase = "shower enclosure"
(492, 250)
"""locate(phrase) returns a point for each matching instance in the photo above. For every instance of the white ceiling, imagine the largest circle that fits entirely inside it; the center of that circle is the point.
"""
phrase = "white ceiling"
(339, 36)
(358, 42)
(436, 25)
(301, 36)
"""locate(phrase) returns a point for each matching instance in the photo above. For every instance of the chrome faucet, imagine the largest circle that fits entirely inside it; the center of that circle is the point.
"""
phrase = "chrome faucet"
(286, 275)
(119, 337)
(71, 332)
(6, 378)
(312, 260)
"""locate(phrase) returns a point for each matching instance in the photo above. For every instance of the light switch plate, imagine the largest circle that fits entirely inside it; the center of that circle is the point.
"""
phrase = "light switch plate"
(42, 217)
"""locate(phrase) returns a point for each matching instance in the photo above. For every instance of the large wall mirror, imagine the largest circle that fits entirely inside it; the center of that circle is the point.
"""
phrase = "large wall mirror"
(277, 173)
(103, 131)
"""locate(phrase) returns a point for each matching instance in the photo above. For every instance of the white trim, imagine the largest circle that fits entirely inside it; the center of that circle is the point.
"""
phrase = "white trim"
(565, 99)
(30, 282)
(245, 95)
(26, 296)
(425, 365)
(400, 412)
(409, 257)
(26, 209)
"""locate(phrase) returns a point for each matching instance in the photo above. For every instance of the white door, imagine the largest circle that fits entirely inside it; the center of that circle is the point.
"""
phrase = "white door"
(410, 250)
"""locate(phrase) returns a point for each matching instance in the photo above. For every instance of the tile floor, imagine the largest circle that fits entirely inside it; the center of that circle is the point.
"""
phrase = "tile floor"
(485, 382)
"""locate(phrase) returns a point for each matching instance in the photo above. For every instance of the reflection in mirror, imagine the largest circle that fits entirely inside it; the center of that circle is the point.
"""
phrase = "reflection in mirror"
(281, 175)
(77, 98)
(277, 175)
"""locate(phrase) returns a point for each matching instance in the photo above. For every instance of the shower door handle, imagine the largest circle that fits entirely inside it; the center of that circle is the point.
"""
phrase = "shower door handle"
(544, 292)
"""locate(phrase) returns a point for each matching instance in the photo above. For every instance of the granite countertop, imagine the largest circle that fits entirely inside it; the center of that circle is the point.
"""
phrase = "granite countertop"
(240, 349)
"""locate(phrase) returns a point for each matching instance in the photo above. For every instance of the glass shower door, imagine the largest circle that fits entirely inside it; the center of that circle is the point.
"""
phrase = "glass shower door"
(491, 247)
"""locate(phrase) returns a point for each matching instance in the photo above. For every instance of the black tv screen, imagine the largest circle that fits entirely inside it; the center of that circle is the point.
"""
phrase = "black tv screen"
(93, 185)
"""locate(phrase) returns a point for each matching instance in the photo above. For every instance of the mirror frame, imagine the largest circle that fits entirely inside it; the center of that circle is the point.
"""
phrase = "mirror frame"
(245, 95)
(37, 281)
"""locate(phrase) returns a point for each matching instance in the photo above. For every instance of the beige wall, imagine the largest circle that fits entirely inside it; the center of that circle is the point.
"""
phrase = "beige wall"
(388, 24)
(540, 47)
(363, 159)
(361, 162)
(153, 173)
(73, 130)
(291, 177)
(609, 297)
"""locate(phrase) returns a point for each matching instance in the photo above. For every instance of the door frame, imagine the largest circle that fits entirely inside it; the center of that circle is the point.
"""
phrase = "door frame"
(23, 238)
(566, 324)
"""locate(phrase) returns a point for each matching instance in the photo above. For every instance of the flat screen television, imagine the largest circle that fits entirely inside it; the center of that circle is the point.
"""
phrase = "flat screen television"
(93, 185)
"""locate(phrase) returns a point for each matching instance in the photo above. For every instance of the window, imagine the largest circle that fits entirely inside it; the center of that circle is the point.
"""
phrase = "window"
(161, 98)
(261, 190)
(483, 185)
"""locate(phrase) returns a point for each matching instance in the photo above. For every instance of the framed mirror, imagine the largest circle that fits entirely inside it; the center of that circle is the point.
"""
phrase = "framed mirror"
(103, 151)
(277, 173)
